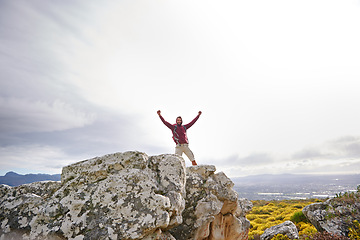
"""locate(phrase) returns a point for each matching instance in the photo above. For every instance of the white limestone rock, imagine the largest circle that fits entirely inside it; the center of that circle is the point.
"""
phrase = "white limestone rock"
(118, 196)
(333, 216)
(213, 209)
(126, 196)
(287, 228)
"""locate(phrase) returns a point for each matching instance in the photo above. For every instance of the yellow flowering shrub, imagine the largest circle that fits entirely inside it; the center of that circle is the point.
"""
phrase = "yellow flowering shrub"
(266, 214)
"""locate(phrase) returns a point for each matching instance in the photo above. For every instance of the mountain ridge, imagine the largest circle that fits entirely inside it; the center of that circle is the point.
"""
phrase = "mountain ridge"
(294, 186)
(255, 179)
(14, 179)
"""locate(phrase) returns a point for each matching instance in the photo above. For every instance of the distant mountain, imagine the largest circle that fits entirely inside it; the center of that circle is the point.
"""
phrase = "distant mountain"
(14, 179)
(290, 179)
(294, 186)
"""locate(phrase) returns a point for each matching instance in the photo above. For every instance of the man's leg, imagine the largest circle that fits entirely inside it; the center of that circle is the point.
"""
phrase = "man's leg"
(189, 154)
(178, 150)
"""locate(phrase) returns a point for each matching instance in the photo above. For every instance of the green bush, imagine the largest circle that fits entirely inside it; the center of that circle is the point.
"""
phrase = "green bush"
(298, 217)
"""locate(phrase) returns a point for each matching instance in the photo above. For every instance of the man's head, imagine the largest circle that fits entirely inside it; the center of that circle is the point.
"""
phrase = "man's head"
(179, 120)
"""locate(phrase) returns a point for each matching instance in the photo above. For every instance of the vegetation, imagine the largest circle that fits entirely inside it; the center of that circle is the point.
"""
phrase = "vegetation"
(348, 197)
(324, 236)
(266, 214)
(354, 232)
(280, 237)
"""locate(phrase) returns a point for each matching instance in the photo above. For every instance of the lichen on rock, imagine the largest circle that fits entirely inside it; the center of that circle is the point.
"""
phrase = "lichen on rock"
(286, 228)
(213, 209)
(126, 196)
(334, 216)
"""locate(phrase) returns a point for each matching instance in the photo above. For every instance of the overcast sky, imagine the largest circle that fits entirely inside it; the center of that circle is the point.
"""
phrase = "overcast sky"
(278, 82)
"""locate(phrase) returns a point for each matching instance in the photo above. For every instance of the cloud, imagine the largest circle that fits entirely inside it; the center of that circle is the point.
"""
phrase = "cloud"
(49, 151)
(252, 160)
(108, 132)
(308, 153)
(256, 159)
(87, 78)
(347, 147)
(324, 166)
(33, 159)
(21, 115)
(339, 156)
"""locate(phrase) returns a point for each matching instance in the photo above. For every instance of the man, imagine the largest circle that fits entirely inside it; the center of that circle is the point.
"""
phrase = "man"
(180, 137)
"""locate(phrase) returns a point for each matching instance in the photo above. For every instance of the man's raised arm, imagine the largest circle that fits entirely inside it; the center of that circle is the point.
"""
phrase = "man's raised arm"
(193, 121)
(163, 120)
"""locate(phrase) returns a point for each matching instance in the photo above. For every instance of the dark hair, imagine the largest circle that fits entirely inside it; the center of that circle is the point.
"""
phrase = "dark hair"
(180, 118)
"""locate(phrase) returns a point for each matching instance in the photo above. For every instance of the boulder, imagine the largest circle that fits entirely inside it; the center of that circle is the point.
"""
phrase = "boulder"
(126, 196)
(287, 228)
(213, 209)
(117, 196)
(334, 215)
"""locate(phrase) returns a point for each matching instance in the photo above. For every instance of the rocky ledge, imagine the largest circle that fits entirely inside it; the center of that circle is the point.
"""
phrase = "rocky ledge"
(126, 196)
(335, 215)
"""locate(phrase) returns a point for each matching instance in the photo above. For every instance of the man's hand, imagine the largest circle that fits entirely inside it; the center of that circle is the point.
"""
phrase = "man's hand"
(200, 113)
(159, 112)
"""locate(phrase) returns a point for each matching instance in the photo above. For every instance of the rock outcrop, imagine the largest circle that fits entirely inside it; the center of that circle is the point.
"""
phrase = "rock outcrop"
(336, 215)
(126, 196)
(213, 209)
(287, 228)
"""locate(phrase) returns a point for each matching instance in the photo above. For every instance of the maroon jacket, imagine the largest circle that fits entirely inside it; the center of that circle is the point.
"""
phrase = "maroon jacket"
(179, 131)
